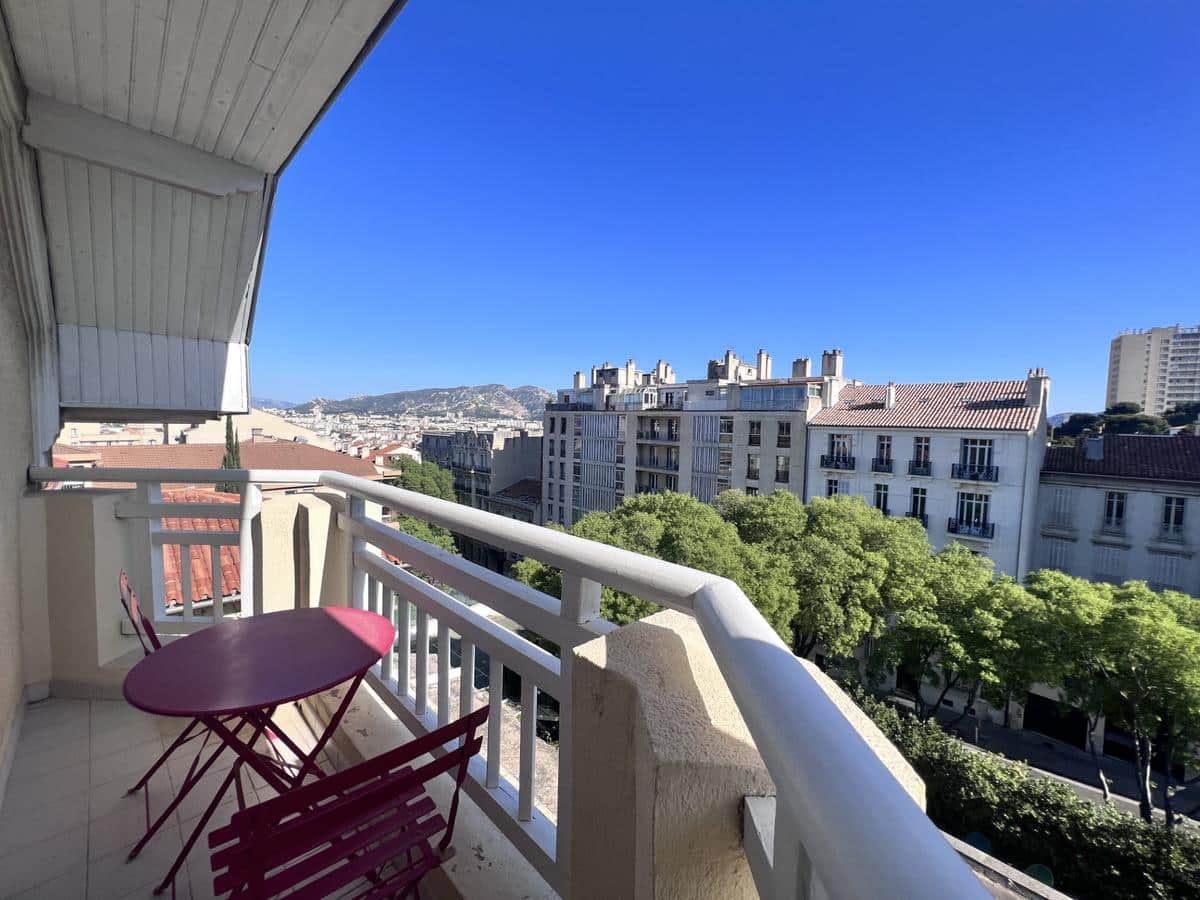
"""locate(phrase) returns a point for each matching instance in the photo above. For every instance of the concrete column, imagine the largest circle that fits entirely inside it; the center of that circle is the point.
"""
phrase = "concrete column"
(662, 762)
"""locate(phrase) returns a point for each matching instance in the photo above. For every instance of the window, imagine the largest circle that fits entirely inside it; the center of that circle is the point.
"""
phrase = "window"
(562, 493)
(973, 509)
(726, 430)
(1168, 574)
(550, 506)
(752, 466)
(1114, 511)
(578, 447)
(785, 434)
(620, 479)
(916, 502)
(783, 469)
(832, 487)
(755, 433)
(552, 426)
(883, 447)
(1110, 564)
(1172, 518)
(839, 446)
(921, 450)
(562, 470)
(562, 424)
(751, 492)
(562, 447)
(562, 516)
(577, 470)
(881, 498)
(976, 453)
(1056, 554)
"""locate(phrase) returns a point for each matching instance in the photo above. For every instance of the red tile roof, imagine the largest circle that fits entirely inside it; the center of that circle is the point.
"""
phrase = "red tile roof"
(255, 455)
(984, 405)
(201, 556)
(1158, 457)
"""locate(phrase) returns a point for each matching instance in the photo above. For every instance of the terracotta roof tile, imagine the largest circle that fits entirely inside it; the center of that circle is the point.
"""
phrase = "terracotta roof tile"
(1159, 457)
(201, 556)
(984, 405)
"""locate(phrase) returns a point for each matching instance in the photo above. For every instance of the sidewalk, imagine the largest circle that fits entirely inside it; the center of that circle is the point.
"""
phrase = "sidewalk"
(1072, 766)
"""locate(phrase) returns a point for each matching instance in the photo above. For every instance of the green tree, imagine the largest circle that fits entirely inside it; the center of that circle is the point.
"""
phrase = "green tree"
(1078, 423)
(957, 640)
(430, 479)
(1183, 413)
(853, 567)
(680, 529)
(1135, 424)
(1126, 408)
(232, 458)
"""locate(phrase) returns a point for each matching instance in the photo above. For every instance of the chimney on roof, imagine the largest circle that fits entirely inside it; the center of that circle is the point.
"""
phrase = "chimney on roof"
(1037, 388)
(1093, 448)
(831, 363)
(579, 383)
(802, 367)
(763, 363)
(889, 395)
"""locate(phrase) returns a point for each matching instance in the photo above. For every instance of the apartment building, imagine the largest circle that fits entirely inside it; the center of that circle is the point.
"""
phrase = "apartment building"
(437, 447)
(625, 431)
(1120, 507)
(962, 457)
(1155, 367)
(486, 462)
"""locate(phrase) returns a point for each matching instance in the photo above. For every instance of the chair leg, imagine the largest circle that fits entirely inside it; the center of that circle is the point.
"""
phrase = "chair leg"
(175, 745)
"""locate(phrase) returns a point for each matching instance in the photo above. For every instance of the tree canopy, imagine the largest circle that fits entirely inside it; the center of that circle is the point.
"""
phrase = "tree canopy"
(431, 479)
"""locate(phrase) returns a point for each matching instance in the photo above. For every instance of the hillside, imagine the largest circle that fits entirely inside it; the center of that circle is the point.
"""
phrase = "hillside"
(484, 401)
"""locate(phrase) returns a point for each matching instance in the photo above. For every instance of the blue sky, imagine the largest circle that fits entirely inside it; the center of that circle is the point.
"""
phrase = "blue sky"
(508, 193)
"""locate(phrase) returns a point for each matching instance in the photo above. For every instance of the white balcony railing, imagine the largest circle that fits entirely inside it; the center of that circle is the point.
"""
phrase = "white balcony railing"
(844, 826)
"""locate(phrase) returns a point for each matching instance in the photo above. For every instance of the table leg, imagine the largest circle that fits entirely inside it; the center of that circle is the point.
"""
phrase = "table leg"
(334, 722)
(234, 775)
(247, 752)
(193, 777)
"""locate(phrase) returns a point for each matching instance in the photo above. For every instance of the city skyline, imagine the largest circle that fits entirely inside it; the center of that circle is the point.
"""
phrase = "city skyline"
(1013, 195)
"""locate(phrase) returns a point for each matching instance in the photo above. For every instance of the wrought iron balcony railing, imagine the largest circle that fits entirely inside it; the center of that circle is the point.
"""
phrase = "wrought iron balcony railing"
(920, 467)
(971, 529)
(881, 464)
(969, 472)
(833, 461)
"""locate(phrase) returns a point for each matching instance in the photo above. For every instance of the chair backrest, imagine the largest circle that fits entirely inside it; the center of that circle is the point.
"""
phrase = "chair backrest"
(329, 834)
(142, 626)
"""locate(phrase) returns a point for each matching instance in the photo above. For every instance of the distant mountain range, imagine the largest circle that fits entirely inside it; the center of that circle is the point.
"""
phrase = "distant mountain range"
(267, 403)
(481, 401)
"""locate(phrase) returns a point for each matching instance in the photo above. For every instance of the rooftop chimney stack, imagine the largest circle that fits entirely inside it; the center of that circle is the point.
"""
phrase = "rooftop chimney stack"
(580, 384)
(1094, 447)
(889, 395)
(831, 363)
(802, 367)
(1037, 388)
(764, 365)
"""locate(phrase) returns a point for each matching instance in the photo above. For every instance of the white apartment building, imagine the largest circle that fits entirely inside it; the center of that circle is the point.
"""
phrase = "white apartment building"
(1123, 507)
(629, 431)
(1155, 367)
(963, 458)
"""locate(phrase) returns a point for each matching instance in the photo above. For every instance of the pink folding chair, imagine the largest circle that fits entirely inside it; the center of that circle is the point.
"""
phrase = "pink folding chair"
(148, 638)
(370, 829)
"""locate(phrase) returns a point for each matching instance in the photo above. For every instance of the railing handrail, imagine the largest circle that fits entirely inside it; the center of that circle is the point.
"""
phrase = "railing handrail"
(813, 753)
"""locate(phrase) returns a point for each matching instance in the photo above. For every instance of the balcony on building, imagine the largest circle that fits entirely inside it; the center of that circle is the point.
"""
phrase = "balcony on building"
(688, 754)
(881, 464)
(832, 461)
(964, 528)
(922, 467)
(969, 472)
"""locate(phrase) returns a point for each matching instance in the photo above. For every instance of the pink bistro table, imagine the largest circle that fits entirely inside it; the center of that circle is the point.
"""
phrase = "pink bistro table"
(233, 676)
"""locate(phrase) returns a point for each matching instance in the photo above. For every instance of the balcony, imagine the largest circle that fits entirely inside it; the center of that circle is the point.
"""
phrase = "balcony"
(659, 465)
(921, 517)
(963, 528)
(965, 472)
(921, 467)
(881, 464)
(523, 802)
(661, 437)
(833, 461)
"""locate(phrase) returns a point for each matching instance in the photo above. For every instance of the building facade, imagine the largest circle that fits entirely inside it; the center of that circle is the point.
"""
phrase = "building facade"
(1123, 507)
(437, 447)
(631, 432)
(1156, 368)
(963, 458)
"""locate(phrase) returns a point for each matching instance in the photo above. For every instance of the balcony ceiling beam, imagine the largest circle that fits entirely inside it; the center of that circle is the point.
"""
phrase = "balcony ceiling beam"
(76, 132)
